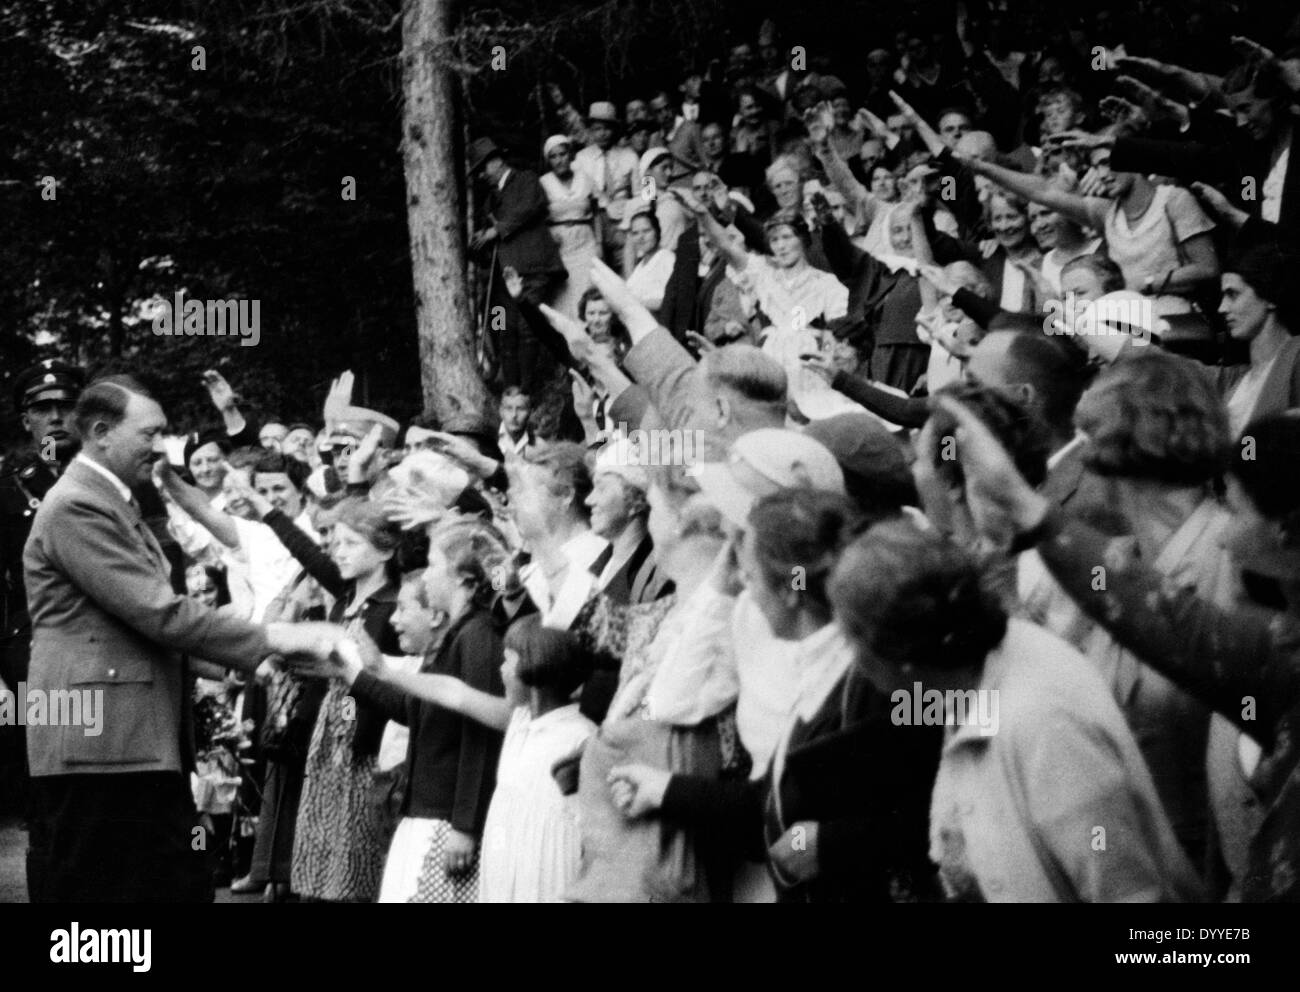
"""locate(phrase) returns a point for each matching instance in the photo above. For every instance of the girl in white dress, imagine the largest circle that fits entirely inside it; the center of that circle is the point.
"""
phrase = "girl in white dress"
(531, 843)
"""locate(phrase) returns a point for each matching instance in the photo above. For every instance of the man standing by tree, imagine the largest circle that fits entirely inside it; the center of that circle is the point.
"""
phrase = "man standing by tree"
(518, 208)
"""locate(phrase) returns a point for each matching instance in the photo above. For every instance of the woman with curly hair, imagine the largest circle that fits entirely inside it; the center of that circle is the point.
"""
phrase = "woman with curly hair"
(1157, 435)
(1041, 793)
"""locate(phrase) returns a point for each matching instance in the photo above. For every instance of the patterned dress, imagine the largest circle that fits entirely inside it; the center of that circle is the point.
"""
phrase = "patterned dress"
(416, 870)
(338, 851)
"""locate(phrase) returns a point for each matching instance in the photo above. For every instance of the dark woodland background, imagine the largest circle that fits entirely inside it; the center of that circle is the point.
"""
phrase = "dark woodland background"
(226, 182)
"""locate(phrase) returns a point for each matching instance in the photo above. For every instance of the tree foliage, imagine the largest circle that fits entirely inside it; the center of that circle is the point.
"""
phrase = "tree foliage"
(225, 181)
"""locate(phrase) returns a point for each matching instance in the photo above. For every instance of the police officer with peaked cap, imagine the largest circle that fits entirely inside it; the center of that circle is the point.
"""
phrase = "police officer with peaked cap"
(45, 395)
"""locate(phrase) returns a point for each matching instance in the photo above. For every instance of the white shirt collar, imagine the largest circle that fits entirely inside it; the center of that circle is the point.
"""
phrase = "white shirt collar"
(1055, 459)
(583, 548)
(505, 441)
(122, 489)
(823, 657)
(505, 174)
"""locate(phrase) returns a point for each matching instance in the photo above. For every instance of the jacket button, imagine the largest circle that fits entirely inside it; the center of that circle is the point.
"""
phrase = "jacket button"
(112, 673)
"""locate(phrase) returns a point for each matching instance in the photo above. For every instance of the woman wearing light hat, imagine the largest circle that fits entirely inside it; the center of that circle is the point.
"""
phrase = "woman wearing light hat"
(571, 198)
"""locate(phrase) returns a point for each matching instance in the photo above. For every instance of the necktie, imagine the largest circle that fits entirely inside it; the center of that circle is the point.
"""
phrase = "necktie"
(147, 535)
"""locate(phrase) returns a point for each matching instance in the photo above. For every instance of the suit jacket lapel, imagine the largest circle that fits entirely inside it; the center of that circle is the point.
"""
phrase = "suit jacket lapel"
(129, 513)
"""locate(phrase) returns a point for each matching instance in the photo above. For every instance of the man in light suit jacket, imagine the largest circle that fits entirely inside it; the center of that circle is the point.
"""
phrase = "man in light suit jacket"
(108, 627)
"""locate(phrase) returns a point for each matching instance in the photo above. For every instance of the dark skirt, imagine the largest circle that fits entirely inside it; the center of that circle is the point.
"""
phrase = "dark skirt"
(273, 850)
(899, 365)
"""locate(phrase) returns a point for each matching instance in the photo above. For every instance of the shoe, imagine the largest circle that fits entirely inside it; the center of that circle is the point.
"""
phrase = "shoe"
(246, 886)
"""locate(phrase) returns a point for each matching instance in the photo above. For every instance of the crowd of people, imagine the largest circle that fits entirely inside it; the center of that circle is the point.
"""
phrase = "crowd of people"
(973, 573)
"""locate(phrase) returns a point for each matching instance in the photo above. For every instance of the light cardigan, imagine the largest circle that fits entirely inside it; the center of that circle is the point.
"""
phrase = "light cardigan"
(1057, 805)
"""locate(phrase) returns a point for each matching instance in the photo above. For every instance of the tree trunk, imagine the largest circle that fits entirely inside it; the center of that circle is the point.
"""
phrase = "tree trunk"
(435, 218)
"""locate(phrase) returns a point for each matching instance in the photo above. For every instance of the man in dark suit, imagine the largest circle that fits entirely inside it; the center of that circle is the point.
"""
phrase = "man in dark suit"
(518, 209)
(108, 631)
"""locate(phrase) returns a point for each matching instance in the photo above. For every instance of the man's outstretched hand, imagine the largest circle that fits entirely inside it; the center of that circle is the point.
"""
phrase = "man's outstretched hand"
(315, 639)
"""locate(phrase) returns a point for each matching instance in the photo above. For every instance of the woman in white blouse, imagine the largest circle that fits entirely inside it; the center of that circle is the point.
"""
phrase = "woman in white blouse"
(571, 199)
(651, 266)
(789, 296)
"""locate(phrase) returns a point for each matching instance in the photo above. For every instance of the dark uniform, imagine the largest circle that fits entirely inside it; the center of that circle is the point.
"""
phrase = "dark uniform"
(24, 481)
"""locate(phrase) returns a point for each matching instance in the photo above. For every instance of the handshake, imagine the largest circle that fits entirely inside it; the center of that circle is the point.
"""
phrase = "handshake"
(324, 650)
